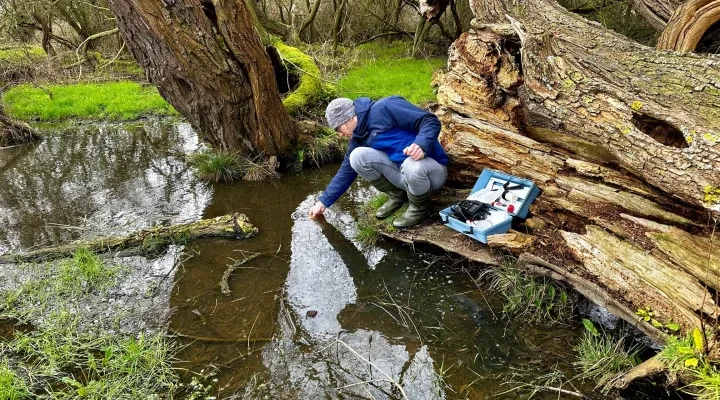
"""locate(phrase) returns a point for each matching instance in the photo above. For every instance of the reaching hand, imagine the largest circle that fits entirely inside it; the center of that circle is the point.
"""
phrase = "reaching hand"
(414, 151)
(317, 210)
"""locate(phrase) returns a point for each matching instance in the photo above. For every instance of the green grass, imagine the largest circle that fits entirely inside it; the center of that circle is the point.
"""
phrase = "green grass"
(684, 356)
(65, 359)
(529, 298)
(12, 387)
(603, 359)
(116, 101)
(388, 69)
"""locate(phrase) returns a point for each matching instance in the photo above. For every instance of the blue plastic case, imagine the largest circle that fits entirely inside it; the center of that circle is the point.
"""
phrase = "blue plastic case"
(483, 181)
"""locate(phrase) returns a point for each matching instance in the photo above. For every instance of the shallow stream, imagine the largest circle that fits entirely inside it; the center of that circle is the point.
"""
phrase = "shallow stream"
(314, 315)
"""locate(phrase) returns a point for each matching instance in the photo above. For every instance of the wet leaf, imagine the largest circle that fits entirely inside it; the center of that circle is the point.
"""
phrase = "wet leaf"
(691, 362)
(698, 340)
(311, 313)
(590, 327)
(673, 326)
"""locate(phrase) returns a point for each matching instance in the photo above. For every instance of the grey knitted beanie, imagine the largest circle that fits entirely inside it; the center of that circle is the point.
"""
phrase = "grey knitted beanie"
(339, 111)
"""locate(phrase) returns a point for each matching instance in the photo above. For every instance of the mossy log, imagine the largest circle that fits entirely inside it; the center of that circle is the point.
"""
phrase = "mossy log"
(310, 88)
(227, 226)
(621, 138)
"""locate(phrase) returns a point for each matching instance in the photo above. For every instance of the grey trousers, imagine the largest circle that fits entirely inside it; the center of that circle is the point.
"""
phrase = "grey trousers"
(417, 177)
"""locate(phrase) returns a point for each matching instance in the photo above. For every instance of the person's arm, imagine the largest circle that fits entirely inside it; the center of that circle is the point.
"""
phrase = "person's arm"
(408, 116)
(339, 184)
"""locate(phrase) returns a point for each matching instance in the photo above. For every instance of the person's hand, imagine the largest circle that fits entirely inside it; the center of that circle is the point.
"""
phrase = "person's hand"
(414, 151)
(317, 210)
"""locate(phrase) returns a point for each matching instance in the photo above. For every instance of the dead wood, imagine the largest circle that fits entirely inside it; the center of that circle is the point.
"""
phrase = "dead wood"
(229, 226)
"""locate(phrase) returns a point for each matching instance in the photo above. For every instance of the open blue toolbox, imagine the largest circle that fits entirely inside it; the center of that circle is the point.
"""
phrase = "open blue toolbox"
(503, 213)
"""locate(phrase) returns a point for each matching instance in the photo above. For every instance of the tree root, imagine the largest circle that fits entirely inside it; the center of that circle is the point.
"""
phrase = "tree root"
(651, 366)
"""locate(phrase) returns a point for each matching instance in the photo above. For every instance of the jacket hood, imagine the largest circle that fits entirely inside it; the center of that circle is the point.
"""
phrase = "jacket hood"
(362, 108)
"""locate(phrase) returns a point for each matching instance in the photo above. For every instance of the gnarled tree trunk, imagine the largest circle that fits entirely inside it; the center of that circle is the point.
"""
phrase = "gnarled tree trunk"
(208, 61)
(656, 12)
(623, 139)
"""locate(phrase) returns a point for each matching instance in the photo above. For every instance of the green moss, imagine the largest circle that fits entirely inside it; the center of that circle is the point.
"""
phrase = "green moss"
(712, 195)
(116, 101)
(387, 69)
(22, 54)
(310, 88)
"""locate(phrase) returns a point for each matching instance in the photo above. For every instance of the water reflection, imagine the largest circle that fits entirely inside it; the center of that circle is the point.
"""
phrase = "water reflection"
(88, 180)
(325, 269)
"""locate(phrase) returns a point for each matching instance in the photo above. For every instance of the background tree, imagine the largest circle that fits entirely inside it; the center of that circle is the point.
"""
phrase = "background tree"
(208, 61)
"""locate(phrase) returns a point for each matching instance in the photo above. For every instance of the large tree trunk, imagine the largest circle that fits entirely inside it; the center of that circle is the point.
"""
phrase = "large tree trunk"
(623, 140)
(208, 61)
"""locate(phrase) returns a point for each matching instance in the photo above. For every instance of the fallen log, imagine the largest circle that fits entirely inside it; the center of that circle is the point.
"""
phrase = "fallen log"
(228, 226)
(621, 138)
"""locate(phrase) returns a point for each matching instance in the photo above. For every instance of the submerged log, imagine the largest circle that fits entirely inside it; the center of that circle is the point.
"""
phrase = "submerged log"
(228, 226)
(621, 138)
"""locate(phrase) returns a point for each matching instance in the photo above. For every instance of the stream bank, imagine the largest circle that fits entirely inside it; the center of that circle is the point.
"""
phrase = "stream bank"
(306, 317)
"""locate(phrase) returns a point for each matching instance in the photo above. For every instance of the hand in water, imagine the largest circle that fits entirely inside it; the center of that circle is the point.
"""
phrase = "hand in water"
(317, 210)
(414, 151)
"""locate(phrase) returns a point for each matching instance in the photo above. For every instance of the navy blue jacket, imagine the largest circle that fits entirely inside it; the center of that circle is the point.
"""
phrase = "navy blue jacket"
(389, 125)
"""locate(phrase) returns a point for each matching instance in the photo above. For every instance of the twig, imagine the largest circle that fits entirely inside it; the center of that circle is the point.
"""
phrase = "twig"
(220, 340)
(224, 286)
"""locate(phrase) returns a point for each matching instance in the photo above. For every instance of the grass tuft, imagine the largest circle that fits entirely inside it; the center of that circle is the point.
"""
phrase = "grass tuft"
(116, 101)
(603, 359)
(217, 166)
(366, 234)
(530, 298)
(222, 166)
(256, 171)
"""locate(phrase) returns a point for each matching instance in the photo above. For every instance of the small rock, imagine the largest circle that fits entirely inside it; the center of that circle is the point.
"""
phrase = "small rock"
(311, 313)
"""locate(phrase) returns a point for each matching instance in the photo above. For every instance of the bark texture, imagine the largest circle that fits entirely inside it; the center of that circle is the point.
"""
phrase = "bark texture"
(623, 140)
(208, 61)
(689, 24)
(656, 12)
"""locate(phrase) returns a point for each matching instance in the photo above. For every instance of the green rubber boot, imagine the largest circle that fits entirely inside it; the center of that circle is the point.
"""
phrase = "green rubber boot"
(419, 206)
(396, 197)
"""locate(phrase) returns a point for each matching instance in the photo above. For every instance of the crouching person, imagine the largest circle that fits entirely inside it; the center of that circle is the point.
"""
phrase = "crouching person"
(394, 145)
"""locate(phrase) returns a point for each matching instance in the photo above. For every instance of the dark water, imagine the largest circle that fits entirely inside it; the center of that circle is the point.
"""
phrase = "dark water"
(386, 320)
